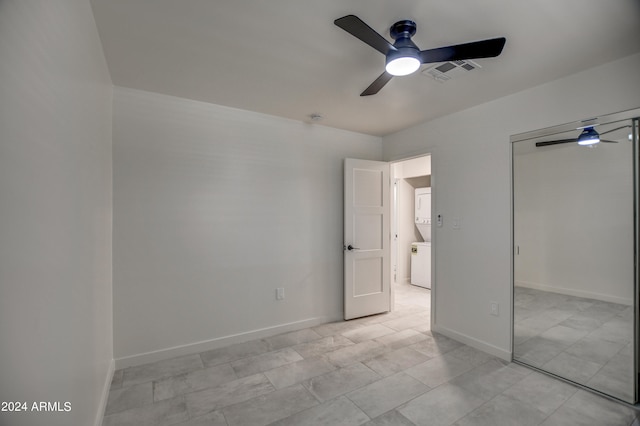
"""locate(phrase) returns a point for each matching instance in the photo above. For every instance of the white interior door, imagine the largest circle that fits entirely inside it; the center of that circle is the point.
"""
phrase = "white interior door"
(366, 238)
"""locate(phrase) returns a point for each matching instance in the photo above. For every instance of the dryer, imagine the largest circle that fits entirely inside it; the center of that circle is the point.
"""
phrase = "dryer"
(423, 212)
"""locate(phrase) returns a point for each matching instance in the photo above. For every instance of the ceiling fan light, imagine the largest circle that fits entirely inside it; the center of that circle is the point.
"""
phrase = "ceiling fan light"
(402, 65)
(588, 137)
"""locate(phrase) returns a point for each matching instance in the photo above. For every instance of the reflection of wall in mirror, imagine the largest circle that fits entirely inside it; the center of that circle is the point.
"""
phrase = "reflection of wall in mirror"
(573, 221)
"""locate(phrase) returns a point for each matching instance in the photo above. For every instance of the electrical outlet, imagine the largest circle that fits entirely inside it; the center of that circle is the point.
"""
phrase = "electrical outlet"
(494, 308)
(279, 293)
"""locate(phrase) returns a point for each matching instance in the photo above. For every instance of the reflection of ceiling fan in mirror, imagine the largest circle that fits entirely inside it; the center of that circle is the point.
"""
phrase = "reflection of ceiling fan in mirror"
(588, 137)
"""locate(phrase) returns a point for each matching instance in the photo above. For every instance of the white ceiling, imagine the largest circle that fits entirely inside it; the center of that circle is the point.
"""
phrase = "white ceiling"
(287, 58)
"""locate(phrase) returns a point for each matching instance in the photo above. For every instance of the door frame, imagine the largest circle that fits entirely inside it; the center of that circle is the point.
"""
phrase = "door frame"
(394, 228)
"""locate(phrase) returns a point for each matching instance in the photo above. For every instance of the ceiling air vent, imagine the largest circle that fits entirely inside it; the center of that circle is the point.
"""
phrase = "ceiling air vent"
(448, 70)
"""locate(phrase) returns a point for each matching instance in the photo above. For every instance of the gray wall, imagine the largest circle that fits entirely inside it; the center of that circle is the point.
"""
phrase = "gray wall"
(55, 211)
(471, 181)
(214, 208)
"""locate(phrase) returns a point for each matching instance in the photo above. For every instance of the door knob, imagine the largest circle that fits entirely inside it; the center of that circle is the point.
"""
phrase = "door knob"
(350, 247)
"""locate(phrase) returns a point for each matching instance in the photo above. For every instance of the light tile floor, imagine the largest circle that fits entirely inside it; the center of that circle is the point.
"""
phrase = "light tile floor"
(386, 369)
(584, 340)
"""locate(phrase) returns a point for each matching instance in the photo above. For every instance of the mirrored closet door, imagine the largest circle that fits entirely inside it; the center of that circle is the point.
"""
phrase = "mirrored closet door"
(575, 242)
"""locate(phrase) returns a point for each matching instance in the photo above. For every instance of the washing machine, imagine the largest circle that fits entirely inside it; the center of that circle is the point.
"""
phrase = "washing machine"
(421, 264)
(421, 251)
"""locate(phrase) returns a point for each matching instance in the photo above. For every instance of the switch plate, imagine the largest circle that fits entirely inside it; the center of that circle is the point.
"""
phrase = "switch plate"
(494, 308)
(456, 222)
(279, 293)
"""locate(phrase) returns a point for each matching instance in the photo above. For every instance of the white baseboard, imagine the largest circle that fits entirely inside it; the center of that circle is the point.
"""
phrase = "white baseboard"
(401, 281)
(475, 343)
(205, 345)
(575, 292)
(105, 393)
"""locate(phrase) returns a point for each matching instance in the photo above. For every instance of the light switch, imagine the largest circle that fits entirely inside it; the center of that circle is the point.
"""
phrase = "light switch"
(456, 222)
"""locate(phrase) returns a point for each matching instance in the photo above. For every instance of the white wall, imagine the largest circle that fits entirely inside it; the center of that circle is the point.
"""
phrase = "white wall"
(414, 167)
(55, 212)
(573, 210)
(214, 208)
(471, 163)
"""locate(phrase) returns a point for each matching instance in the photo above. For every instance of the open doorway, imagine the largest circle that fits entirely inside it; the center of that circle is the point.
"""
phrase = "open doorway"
(410, 246)
(379, 202)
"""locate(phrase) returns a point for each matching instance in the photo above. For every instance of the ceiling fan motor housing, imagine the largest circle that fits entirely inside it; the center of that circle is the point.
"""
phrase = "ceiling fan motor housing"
(403, 29)
(401, 32)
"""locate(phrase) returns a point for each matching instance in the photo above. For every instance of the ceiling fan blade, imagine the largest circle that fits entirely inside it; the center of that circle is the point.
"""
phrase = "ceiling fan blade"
(613, 130)
(377, 84)
(556, 142)
(357, 28)
(560, 141)
(476, 49)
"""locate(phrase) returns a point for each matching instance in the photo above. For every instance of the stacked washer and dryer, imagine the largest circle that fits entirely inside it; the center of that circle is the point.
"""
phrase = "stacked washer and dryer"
(421, 250)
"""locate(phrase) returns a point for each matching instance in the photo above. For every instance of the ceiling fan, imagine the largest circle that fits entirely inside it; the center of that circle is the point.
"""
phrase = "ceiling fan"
(403, 57)
(589, 136)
